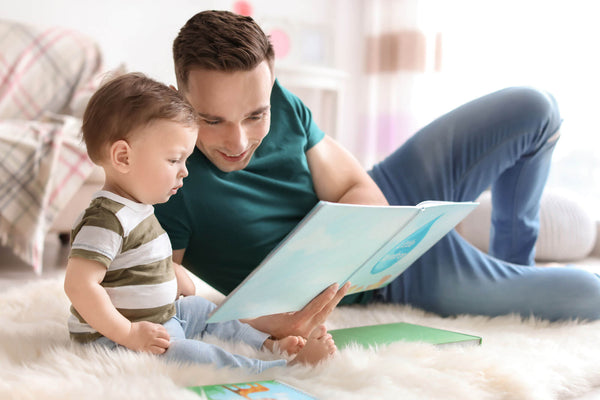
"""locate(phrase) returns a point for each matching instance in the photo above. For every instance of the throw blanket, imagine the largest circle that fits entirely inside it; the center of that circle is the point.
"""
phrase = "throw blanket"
(43, 72)
(42, 164)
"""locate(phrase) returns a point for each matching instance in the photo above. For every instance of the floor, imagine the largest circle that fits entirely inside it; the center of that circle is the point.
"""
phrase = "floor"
(14, 272)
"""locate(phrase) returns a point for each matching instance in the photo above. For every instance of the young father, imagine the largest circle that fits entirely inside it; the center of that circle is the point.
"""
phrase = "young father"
(261, 164)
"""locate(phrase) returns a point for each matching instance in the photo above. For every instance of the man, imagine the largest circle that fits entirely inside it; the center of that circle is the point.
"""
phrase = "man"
(261, 164)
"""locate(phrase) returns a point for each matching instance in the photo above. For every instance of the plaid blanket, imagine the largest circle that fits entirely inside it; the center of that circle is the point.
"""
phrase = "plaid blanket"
(42, 165)
(43, 72)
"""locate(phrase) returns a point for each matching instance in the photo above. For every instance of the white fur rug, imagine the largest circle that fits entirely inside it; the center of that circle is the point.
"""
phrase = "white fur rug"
(517, 360)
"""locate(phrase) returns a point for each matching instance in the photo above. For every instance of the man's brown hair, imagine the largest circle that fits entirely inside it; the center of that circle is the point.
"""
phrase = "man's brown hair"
(126, 103)
(219, 41)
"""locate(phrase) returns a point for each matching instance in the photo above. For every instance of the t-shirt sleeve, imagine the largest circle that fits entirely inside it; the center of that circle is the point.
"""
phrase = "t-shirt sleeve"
(98, 237)
(174, 219)
(313, 133)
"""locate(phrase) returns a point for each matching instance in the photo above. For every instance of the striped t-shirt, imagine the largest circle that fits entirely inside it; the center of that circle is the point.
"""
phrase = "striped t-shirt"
(126, 237)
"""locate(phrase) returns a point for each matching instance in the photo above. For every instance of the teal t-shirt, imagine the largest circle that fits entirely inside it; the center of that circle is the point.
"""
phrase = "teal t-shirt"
(228, 222)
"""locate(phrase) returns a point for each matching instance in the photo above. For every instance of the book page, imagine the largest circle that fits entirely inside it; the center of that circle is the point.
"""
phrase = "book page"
(328, 246)
(434, 221)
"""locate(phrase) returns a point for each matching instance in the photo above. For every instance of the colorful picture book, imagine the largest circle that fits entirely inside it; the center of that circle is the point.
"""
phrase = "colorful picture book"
(369, 246)
(383, 334)
(272, 389)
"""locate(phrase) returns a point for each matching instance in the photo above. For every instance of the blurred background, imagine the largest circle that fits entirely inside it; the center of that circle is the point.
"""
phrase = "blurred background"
(374, 71)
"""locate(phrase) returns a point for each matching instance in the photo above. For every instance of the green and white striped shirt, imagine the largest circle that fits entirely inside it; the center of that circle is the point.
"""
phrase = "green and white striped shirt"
(126, 237)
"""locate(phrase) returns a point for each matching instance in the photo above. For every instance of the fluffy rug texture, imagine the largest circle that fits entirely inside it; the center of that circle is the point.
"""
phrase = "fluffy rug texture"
(518, 359)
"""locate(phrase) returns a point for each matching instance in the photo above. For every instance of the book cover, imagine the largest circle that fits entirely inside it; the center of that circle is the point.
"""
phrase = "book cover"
(272, 389)
(373, 335)
(366, 245)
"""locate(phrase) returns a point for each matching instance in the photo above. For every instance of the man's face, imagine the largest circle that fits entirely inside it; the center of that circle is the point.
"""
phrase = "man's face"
(235, 113)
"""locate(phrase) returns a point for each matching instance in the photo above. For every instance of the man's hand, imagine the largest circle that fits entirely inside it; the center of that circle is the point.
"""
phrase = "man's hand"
(147, 337)
(302, 323)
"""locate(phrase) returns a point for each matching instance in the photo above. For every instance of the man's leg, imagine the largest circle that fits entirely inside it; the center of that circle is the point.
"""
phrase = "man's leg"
(503, 140)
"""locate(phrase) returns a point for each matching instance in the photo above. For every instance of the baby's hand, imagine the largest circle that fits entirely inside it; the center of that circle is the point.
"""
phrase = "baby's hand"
(148, 337)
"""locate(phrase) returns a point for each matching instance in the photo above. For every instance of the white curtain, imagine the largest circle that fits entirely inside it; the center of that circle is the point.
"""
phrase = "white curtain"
(403, 55)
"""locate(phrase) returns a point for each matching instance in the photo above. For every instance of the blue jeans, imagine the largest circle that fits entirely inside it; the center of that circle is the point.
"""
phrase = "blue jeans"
(187, 328)
(504, 141)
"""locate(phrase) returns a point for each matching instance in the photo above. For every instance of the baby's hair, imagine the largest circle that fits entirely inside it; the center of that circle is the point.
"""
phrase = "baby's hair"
(128, 102)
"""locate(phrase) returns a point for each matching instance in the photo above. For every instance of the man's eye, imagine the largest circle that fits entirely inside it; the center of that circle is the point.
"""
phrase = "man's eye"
(210, 122)
(257, 117)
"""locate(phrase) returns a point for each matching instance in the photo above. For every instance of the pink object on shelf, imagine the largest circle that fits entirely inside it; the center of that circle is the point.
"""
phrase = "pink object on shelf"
(242, 8)
(281, 42)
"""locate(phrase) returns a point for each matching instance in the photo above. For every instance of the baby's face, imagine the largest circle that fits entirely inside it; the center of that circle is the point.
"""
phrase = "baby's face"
(157, 158)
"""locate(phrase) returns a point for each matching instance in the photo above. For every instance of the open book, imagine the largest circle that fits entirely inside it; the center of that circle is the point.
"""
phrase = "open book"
(366, 245)
(272, 389)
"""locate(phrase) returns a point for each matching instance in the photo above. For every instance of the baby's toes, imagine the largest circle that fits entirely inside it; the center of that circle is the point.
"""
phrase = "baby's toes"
(318, 332)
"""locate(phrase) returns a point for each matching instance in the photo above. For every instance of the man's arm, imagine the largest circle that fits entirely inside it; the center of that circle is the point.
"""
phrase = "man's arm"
(338, 177)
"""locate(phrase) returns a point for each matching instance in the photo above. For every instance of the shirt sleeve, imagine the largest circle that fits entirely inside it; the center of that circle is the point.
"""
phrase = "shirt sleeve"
(313, 133)
(98, 237)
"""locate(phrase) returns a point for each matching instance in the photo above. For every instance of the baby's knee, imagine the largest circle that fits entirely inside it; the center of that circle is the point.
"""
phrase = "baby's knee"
(196, 305)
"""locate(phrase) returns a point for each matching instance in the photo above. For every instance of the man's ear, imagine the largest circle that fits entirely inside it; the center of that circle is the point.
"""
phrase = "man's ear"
(120, 156)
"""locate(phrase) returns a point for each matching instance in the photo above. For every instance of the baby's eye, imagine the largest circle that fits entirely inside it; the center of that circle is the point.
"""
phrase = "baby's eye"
(173, 161)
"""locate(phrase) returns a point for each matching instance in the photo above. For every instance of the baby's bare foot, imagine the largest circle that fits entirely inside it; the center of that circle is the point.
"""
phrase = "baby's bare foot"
(289, 344)
(319, 347)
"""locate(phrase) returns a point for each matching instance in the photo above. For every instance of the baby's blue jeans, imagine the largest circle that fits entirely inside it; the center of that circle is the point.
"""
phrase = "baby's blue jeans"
(503, 141)
(188, 327)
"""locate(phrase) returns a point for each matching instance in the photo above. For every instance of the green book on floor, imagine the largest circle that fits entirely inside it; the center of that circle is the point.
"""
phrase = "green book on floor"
(272, 389)
(383, 334)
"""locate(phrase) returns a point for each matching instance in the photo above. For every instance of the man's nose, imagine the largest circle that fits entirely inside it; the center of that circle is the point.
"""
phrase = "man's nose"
(237, 140)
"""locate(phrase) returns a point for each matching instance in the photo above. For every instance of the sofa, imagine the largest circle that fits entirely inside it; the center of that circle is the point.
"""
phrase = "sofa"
(46, 78)
(64, 220)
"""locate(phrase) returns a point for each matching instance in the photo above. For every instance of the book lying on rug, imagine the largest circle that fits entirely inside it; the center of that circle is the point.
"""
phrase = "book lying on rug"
(373, 335)
(368, 246)
(272, 389)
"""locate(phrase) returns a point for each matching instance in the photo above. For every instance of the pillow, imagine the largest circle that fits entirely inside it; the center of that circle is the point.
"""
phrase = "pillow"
(43, 68)
(567, 232)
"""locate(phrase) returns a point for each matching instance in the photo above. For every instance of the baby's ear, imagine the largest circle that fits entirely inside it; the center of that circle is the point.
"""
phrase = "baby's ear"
(120, 156)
